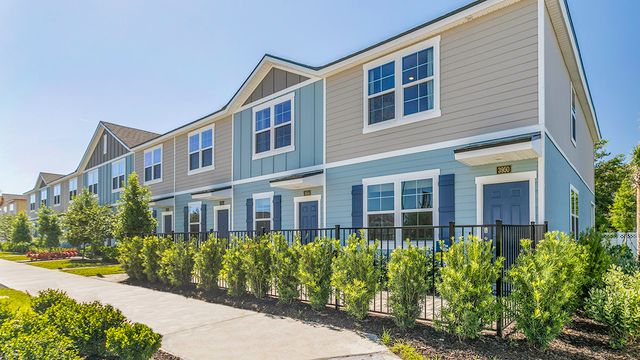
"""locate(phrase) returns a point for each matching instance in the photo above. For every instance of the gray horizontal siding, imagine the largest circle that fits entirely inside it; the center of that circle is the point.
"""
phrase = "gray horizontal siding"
(488, 82)
(166, 185)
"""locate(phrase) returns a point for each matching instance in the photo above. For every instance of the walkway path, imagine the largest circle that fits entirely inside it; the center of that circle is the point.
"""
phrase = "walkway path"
(194, 329)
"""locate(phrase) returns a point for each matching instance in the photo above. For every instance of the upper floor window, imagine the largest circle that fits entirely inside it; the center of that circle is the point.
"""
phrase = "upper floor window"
(11, 207)
(117, 175)
(201, 150)
(273, 127)
(73, 188)
(153, 164)
(573, 115)
(43, 197)
(574, 206)
(92, 181)
(32, 202)
(403, 87)
(56, 195)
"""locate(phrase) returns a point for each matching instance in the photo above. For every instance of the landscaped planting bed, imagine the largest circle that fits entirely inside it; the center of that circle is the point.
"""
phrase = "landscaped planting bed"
(52, 255)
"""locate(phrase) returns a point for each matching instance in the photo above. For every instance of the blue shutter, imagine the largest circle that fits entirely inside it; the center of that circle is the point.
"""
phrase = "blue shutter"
(356, 206)
(186, 219)
(249, 214)
(203, 220)
(447, 205)
(277, 212)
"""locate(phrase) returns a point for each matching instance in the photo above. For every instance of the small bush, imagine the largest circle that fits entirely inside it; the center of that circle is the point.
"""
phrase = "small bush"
(315, 270)
(618, 306)
(622, 256)
(177, 264)
(355, 275)
(20, 247)
(132, 342)
(152, 249)
(233, 270)
(208, 262)
(109, 254)
(466, 285)
(257, 262)
(130, 256)
(410, 278)
(598, 259)
(406, 351)
(49, 298)
(20, 340)
(546, 284)
(286, 261)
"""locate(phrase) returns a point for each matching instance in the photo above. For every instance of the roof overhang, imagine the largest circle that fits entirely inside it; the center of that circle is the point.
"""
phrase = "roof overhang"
(162, 201)
(214, 194)
(299, 181)
(506, 150)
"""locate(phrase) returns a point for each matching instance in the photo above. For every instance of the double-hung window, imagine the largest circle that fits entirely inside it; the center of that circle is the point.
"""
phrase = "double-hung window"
(403, 87)
(574, 205)
(194, 216)
(201, 150)
(32, 202)
(56, 195)
(153, 164)
(117, 175)
(73, 188)
(92, 181)
(263, 211)
(273, 126)
(11, 207)
(573, 116)
(43, 197)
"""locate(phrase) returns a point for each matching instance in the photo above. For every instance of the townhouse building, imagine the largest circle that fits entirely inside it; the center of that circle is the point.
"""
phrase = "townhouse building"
(12, 203)
(482, 114)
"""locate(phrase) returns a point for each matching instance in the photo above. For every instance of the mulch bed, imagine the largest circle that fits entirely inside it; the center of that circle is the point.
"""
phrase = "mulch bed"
(583, 339)
(161, 355)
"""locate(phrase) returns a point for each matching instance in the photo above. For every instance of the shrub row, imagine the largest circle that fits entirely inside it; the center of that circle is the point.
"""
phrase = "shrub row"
(58, 327)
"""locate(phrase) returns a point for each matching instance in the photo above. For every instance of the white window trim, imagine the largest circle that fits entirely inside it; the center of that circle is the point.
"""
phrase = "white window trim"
(400, 119)
(162, 224)
(272, 141)
(213, 150)
(296, 208)
(573, 115)
(144, 168)
(11, 207)
(57, 188)
(571, 190)
(593, 214)
(259, 196)
(530, 176)
(397, 211)
(217, 208)
(95, 171)
(197, 204)
(46, 191)
(70, 189)
(124, 182)
(32, 202)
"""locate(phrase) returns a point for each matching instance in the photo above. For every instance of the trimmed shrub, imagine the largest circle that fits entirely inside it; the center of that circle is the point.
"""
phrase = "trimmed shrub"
(208, 262)
(315, 270)
(285, 264)
(132, 342)
(410, 278)
(466, 285)
(233, 270)
(355, 275)
(130, 257)
(177, 264)
(618, 306)
(152, 249)
(49, 298)
(23, 339)
(598, 259)
(546, 284)
(257, 263)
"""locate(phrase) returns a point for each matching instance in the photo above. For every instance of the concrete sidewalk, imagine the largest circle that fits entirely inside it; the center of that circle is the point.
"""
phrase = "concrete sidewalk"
(194, 329)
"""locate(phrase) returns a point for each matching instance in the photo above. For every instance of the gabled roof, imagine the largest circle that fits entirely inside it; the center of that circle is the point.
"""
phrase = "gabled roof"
(48, 178)
(128, 135)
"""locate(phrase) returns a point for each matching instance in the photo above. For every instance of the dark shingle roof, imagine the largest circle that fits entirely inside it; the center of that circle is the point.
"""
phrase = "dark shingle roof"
(128, 135)
(50, 177)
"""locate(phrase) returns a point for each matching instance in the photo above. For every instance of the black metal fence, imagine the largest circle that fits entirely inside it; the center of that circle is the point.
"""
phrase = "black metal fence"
(506, 239)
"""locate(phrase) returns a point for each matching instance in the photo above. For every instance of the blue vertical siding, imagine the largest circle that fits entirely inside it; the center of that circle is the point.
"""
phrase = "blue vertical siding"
(559, 175)
(183, 200)
(308, 132)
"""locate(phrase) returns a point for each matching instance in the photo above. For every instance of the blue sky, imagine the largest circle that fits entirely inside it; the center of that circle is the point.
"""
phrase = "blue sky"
(66, 65)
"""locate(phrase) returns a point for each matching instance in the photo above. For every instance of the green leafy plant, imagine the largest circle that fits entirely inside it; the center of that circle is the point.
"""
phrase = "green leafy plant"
(233, 269)
(466, 286)
(257, 263)
(30, 338)
(132, 342)
(49, 298)
(598, 259)
(21, 229)
(131, 257)
(315, 270)
(623, 209)
(177, 264)
(86, 222)
(208, 262)
(48, 226)
(546, 284)
(152, 249)
(406, 351)
(622, 256)
(410, 276)
(385, 338)
(355, 275)
(617, 305)
(6, 227)
(285, 264)
(133, 216)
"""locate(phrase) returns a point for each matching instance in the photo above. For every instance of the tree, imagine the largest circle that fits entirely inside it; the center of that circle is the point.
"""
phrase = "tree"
(133, 215)
(623, 210)
(609, 174)
(48, 227)
(21, 229)
(635, 166)
(6, 226)
(86, 222)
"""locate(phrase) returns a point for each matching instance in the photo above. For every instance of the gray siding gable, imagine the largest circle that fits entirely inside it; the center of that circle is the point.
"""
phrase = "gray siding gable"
(275, 80)
(114, 150)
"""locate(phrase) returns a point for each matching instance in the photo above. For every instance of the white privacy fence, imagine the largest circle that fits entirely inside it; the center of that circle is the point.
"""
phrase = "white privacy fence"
(621, 238)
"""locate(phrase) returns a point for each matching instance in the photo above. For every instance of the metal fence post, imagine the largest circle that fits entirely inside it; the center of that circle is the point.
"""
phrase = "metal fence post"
(452, 231)
(337, 237)
(499, 238)
(533, 232)
(546, 226)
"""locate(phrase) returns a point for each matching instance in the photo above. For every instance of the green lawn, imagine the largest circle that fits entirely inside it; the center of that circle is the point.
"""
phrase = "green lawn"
(12, 256)
(96, 271)
(15, 300)
(66, 263)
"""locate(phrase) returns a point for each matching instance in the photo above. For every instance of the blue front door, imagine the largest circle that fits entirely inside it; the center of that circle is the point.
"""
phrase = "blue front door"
(223, 223)
(308, 213)
(508, 202)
